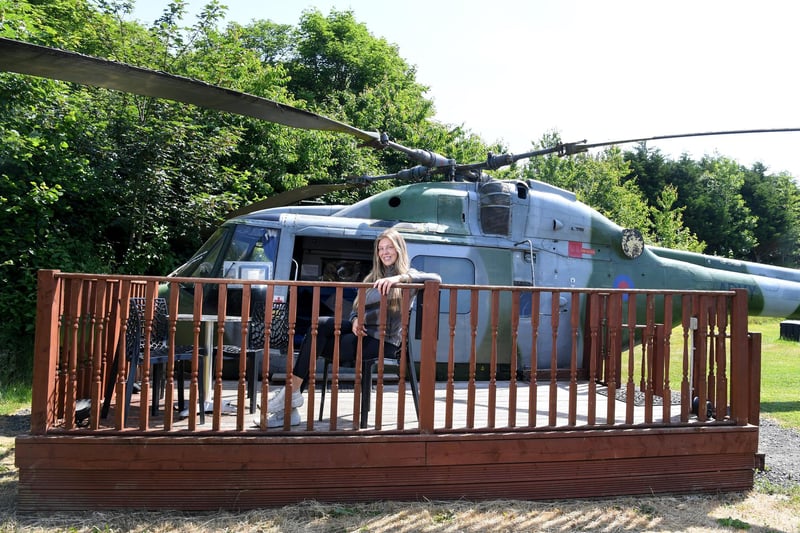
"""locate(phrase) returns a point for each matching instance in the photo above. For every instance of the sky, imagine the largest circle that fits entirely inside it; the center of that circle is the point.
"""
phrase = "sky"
(515, 70)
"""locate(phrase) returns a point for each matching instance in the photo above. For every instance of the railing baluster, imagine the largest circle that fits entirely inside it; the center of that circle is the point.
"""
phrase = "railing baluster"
(289, 386)
(666, 411)
(403, 370)
(614, 350)
(122, 355)
(493, 318)
(473, 357)
(713, 339)
(98, 355)
(573, 359)
(630, 390)
(381, 355)
(451, 373)
(193, 383)
(172, 328)
(687, 321)
(111, 327)
(334, 395)
(312, 361)
(269, 306)
(86, 342)
(594, 346)
(144, 388)
(648, 349)
(552, 408)
(244, 327)
(70, 360)
(532, 390)
(512, 384)
(722, 375)
(701, 356)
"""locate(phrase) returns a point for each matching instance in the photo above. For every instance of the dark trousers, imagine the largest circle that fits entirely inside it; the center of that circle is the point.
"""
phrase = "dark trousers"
(348, 344)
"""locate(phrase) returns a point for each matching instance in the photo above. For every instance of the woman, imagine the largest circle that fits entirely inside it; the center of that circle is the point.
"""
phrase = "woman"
(390, 266)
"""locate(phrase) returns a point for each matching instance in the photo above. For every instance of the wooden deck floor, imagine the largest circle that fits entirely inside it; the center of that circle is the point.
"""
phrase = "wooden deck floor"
(504, 417)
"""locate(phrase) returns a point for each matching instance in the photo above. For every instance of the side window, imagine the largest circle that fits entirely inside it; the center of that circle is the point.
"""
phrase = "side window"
(454, 270)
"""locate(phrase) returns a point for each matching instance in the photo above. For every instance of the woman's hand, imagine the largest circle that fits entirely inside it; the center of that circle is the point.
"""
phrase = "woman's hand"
(357, 328)
(384, 285)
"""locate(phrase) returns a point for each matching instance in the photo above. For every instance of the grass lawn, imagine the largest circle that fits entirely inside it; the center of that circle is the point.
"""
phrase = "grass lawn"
(14, 397)
(780, 372)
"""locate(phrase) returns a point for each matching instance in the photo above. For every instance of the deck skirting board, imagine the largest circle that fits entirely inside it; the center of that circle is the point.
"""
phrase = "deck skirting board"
(69, 472)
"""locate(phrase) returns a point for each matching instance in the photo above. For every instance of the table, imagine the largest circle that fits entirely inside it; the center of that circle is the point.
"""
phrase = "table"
(208, 322)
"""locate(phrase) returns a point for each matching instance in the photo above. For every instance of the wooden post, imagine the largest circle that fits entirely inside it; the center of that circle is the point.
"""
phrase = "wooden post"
(659, 358)
(45, 351)
(427, 360)
(754, 373)
(741, 393)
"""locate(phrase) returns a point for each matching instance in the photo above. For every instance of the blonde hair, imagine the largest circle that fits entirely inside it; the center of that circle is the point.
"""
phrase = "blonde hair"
(401, 265)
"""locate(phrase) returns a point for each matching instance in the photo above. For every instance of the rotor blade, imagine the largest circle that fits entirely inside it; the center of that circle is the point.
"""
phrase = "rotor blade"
(495, 161)
(34, 60)
(292, 196)
(584, 147)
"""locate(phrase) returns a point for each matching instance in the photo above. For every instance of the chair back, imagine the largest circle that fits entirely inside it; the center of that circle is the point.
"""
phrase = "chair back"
(134, 338)
(279, 328)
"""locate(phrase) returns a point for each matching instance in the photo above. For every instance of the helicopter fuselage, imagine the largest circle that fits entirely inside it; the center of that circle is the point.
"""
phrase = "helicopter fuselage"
(505, 233)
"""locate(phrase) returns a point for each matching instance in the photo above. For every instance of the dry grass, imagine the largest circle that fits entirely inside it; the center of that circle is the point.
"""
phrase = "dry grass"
(752, 511)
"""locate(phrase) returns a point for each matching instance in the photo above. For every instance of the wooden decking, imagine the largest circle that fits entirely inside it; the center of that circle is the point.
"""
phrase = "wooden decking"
(253, 468)
(559, 435)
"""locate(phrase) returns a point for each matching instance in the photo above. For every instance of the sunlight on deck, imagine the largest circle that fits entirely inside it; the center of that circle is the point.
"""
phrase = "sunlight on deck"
(504, 416)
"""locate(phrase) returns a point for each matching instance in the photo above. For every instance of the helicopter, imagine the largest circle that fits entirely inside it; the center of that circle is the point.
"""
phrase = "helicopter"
(470, 228)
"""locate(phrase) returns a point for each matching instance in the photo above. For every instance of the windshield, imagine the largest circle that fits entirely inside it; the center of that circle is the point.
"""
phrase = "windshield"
(238, 251)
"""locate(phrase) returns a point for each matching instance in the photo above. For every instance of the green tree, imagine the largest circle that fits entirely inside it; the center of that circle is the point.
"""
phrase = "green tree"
(716, 210)
(346, 73)
(650, 169)
(102, 181)
(668, 228)
(92, 180)
(775, 202)
(47, 181)
(739, 213)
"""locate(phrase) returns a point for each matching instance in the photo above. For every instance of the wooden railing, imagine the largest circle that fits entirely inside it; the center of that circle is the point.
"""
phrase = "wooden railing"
(490, 358)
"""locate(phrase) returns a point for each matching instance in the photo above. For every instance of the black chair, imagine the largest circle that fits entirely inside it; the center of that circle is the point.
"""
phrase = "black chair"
(256, 333)
(366, 380)
(159, 357)
(368, 364)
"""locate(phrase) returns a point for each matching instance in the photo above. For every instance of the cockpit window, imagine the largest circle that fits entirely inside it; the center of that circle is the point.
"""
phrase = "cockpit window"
(251, 254)
(241, 251)
(201, 265)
